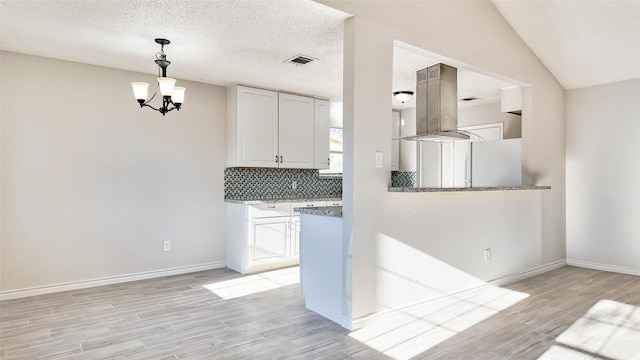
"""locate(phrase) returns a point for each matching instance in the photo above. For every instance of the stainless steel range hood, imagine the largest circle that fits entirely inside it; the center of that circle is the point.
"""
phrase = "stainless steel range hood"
(437, 105)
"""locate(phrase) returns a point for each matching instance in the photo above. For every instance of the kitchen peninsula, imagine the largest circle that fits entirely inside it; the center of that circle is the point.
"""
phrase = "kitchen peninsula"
(324, 265)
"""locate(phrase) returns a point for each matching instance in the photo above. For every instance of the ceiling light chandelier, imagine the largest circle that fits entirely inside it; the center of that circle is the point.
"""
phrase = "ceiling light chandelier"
(172, 96)
(403, 96)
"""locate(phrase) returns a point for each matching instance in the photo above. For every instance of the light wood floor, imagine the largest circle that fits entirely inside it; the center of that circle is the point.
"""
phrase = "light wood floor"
(569, 313)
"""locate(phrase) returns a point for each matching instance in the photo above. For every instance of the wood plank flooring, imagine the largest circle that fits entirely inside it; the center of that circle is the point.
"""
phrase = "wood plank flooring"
(569, 313)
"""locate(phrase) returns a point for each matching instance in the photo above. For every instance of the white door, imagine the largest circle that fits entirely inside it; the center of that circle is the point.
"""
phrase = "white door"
(257, 122)
(321, 132)
(485, 132)
(461, 164)
(430, 174)
(296, 131)
(395, 142)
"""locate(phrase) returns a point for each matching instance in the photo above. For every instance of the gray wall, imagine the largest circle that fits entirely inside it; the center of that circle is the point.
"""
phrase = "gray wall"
(92, 185)
(603, 172)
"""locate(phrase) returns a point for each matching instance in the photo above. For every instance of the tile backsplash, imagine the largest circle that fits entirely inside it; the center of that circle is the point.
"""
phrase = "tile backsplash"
(263, 183)
(403, 179)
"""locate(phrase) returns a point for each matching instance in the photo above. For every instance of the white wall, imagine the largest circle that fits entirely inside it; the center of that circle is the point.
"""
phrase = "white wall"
(93, 185)
(603, 177)
(490, 113)
(397, 240)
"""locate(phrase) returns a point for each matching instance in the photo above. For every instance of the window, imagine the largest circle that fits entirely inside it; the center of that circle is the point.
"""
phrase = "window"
(335, 152)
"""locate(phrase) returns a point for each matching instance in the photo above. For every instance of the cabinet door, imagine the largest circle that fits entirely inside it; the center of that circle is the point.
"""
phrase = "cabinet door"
(395, 143)
(296, 131)
(257, 122)
(295, 237)
(270, 239)
(321, 120)
(511, 99)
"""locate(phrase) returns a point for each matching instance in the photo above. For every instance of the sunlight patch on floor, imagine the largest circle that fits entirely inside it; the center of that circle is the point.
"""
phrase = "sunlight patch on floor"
(557, 352)
(251, 284)
(415, 330)
(609, 329)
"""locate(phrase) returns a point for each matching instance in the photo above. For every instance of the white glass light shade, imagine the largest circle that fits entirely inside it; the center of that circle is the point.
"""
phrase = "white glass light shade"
(166, 86)
(178, 95)
(140, 90)
(403, 96)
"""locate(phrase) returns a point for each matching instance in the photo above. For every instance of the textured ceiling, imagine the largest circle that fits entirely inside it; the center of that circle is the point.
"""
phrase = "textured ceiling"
(216, 42)
(247, 41)
(583, 43)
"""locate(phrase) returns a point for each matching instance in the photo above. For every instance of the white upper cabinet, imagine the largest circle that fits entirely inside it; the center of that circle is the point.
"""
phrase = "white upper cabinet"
(252, 127)
(321, 142)
(511, 99)
(270, 129)
(296, 129)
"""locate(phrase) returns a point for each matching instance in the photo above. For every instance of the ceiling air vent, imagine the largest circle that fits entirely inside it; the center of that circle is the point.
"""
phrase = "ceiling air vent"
(300, 60)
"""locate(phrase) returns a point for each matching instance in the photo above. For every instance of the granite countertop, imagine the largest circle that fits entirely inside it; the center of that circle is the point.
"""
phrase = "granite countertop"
(492, 188)
(258, 201)
(335, 211)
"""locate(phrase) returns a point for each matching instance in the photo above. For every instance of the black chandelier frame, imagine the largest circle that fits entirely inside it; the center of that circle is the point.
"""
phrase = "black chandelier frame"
(163, 63)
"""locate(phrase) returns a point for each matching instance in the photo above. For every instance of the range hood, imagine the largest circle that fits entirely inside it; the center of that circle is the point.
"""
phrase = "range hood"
(437, 105)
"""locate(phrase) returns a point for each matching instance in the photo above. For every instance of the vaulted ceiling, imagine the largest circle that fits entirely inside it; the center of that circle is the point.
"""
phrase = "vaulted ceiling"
(582, 43)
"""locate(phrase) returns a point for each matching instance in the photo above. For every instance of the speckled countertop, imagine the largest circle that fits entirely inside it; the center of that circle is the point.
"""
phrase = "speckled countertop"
(335, 211)
(492, 188)
(255, 201)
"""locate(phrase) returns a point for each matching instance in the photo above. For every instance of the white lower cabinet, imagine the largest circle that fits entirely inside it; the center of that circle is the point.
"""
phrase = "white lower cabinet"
(265, 237)
(270, 239)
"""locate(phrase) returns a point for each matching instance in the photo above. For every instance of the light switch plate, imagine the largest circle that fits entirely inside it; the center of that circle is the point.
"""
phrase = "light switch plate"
(378, 159)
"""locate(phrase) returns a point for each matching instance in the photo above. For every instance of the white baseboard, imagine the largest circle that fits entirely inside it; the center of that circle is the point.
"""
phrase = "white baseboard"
(529, 273)
(41, 290)
(455, 296)
(346, 322)
(603, 267)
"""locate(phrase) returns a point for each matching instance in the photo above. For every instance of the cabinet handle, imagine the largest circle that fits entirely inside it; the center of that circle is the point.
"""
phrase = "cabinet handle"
(276, 159)
(271, 207)
(328, 161)
(281, 159)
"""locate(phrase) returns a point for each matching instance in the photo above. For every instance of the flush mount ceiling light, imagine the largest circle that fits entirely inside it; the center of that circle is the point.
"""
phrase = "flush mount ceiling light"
(172, 96)
(403, 96)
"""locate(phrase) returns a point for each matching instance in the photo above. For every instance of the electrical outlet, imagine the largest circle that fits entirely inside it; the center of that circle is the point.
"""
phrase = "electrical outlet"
(167, 245)
(294, 184)
(487, 255)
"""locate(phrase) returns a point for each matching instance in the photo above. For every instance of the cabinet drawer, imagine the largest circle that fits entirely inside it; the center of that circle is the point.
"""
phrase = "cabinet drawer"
(306, 204)
(269, 210)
